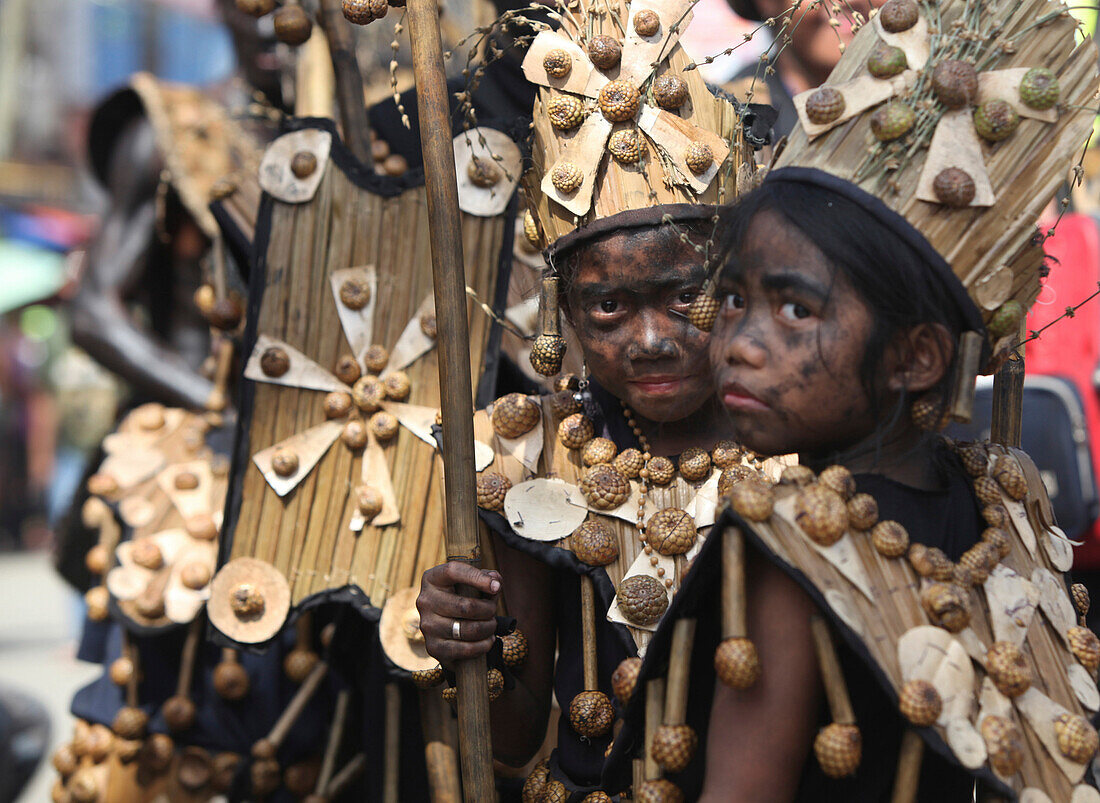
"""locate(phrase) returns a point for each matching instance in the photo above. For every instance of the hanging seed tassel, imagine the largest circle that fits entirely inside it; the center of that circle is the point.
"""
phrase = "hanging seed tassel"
(548, 350)
(735, 660)
(838, 746)
(179, 710)
(674, 742)
(1080, 596)
(703, 311)
(590, 713)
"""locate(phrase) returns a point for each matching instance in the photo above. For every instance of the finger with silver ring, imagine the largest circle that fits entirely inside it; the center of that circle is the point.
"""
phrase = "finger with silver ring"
(456, 630)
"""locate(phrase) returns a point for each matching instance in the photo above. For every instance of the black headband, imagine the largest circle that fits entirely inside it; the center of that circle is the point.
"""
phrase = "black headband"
(630, 219)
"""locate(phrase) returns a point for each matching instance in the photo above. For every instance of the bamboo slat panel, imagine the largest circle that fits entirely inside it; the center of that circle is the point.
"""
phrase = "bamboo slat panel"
(306, 534)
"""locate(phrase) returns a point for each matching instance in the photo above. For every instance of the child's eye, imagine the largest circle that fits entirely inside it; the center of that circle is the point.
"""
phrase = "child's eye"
(608, 306)
(687, 297)
(794, 311)
(734, 301)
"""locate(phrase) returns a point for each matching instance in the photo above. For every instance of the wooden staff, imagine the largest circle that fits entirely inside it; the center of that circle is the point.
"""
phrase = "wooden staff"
(391, 769)
(296, 706)
(840, 705)
(733, 584)
(1008, 402)
(679, 672)
(654, 711)
(187, 658)
(335, 737)
(454, 372)
(349, 81)
(439, 752)
(345, 776)
(588, 635)
(130, 651)
(909, 760)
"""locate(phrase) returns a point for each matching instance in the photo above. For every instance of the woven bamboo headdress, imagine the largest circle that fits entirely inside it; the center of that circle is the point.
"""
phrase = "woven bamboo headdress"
(963, 118)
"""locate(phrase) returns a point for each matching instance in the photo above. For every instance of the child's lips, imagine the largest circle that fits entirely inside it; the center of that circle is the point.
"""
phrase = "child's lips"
(739, 399)
(659, 385)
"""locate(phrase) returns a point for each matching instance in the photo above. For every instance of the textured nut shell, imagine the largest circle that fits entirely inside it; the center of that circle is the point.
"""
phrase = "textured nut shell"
(671, 531)
(625, 679)
(737, 663)
(920, 703)
(822, 514)
(594, 543)
(591, 714)
(838, 748)
(642, 599)
(673, 747)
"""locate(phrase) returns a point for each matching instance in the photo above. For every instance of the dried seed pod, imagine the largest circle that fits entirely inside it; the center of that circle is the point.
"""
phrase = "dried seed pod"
(376, 357)
(491, 490)
(694, 464)
(974, 459)
(797, 475)
(483, 173)
(619, 100)
(535, 784)
(1039, 89)
(303, 164)
(274, 362)
(821, 513)
(646, 22)
(567, 177)
(862, 512)
(838, 747)
(337, 404)
(886, 61)
(840, 480)
(947, 606)
(998, 541)
(576, 430)
(598, 796)
(285, 462)
(825, 105)
(629, 463)
(730, 477)
(265, 777)
(357, 12)
(555, 792)
(531, 229)
(898, 15)
(1006, 319)
(565, 112)
(247, 602)
(673, 747)
(604, 488)
(1085, 647)
(892, 121)
(514, 415)
(671, 531)
(1008, 474)
(301, 778)
(226, 314)
(396, 385)
(659, 470)
(1077, 739)
(65, 761)
(130, 722)
(642, 599)
(97, 559)
(495, 680)
(147, 554)
(1080, 596)
(450, 695)
(354, 434)
(100, 743)
(564, 403)
(1008, 669)
(395, 165)
(703, 312)
(594, 543)
(670, 91)
(699, 157)
(292, 25)
(660, 790)
(954, 187)
(753, 499)
(725, 454)
(428, 678)
(955, 83)
(985, 488)
(96, 599)
(890, 539)
(591, 714)
(980, 560)
(201, 526)
(231, 680)
(547, 352)
(347, 370)
(920, 703)
(256, 8)
(624, 680)
(186, 481)
(997, 516)
(1004, 743)
(931, 562)
(298, 663)
(84, 787)
(598, 450)
(384, 426)
(195, 575)
(627, 146)
(368, 501)
(368, 394)
(514, 648)
(996, 120)
(604, 51)
(557, 63)
(737, 663)
(178, 712)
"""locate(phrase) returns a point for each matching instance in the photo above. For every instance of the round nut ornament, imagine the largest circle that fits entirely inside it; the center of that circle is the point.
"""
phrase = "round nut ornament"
(1006, 319)
(121, 671)
(839, 748)
(955, 83)
(376, 357)
(660, 790)
(354, 434)
(557, 63)
(752, 498)
(974, 459)
(554, 792)
(699, 157)
(575, 430)
(629, 463)
(427, 678)
(274, 362)
(694, 464)
(101, 484)
(384, 426)
(671, 531)
(147, 554)
(256, 8)
(514, 648)
(598, 450)
(647, 23)
(65, 761)
(920, 703)
(996, 516)
(130, 722)
(303, 164)
(566, 177)
(890, 539)
(1004, 743)
(898, 15)
(821, 513)
(954, 187)
(725, 454)
(186, 481)
(1039, 89)
(892, 121)
(670, 91)
(997, 540)
(604, 488)
(396, 385)
(201, 526)
(862, 512)
(985, 488)
(594, 543)
(195, 575)
(347, 370)
(491, 490)
(886, 61)
(642, 599)
(996, 120)
(597, 797)
(624, 680)
(1009, 476)
(355, 293)
(514, 415)
(591, 714)
(231, 680)
(535, 784)
(673, 747)
(1007, 668)
(178, 712)
(368, 394)
(249, 600)
(604, 51)
(495, 680)
(565, 112)
(1077, 739)
(825, 105)
(285, 462)
(1085, 646)
(564, 403)
(337, 404)
(619, 100)
(1080, 596)
(626, 146)
(531, 230)
(737, 663)
(980, 560)
(368, 501)
(96, 599)
(931, 562)
(97, 559)
(357, 12)
(84, 787)
(483, 173)
(660, 470)
(947, 606)
(298, 663)
(292, 25)
(798, 475)
(548, 350)
(840, 480)
(733, 475)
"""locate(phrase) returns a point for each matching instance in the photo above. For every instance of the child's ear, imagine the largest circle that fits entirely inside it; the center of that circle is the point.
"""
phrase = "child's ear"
(919, 358)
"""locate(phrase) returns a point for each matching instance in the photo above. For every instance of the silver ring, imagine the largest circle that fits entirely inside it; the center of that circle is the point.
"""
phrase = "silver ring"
(456, 630)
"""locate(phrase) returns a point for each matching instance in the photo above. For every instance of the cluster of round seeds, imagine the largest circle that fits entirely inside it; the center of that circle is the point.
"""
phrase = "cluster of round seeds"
(491, 490)
(642, 599)
(1008, 669)
(671, 531)
(752, 498)
(947, 605)
(428, 678)
(514, 415)
(626, 146)
(565, 112)
(698, 157)
(548, 350)
(1077, 739)
(619, 100)
(598, 450)
(557, 63)
(604, 488)
(566, 177)
(695, 464)
(594, 543)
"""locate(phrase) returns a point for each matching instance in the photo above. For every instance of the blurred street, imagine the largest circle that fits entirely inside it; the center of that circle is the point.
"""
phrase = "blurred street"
(39, 625)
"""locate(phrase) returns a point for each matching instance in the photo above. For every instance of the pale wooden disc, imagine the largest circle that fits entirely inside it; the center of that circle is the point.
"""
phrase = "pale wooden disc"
(641, 53)
(703, 507)
(491, 147)
(1054, 601)
(483, 456)
(1058, 548)
(397, 614)
(268, 581)
(278, 179)
(1084, 686)
(413, 343)
(1033, 795)
(932, 654)
(583, 77)
(1085, 794)
(136, 511)
(303, 371)
(545, 509)
(310, 446)
(1022, 524)
(1011, 606)
(181, 604)
(133, 466)
(1040, 712)
(966, 743)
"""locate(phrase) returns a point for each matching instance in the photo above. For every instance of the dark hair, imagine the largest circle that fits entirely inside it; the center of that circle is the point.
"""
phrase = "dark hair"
(898, 284)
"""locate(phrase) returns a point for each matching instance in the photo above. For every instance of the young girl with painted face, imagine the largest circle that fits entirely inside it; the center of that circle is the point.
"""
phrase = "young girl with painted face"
(890, 620)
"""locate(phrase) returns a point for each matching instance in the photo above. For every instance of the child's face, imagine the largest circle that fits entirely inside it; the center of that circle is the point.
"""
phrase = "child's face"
(788, 345)
(628, 305)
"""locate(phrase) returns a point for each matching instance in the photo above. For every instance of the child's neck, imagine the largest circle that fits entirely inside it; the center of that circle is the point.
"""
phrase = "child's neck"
(703, 428)
(905, 455)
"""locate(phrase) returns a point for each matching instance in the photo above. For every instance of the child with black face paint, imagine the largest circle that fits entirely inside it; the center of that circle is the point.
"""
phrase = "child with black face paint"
(889, 621)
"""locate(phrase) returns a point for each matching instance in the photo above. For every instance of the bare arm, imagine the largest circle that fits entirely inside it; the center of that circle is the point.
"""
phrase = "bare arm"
(101, 323)
(782, 705)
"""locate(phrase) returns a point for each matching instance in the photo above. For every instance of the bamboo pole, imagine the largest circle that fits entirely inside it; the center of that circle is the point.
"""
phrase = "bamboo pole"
(439, 754)
(454, 371)
(588, 635)
(345, 776)
(349, 81)
(1008, 402)
(679, 671)
(335, 737)
(654, 712)
(733, 584)
(840, 705)
(909, 760)
(391, 768)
